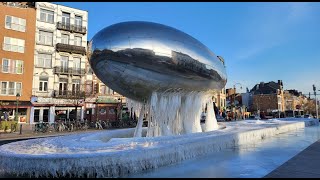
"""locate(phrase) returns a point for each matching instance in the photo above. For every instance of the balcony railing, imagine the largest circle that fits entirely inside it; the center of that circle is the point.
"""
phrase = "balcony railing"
(71, 48)
(70, 71)
(72, 27)
(69, 94)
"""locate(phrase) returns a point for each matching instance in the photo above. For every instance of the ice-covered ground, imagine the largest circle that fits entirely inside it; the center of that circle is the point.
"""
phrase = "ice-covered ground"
(115, 153)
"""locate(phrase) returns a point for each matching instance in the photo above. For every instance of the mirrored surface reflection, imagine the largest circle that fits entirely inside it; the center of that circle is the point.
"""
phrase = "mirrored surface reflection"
(145, 57)
(249, 161)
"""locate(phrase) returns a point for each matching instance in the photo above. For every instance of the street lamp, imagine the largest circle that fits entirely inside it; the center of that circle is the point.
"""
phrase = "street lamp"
(234, 96)
(120, 108)
(315, 94)
(17, 97)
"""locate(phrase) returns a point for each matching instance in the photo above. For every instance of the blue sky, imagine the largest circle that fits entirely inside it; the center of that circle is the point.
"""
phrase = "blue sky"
(259, 41)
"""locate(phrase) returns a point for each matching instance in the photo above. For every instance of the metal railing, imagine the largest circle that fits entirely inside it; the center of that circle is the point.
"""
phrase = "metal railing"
(71, 48)
(74, 94)
(71, 71)
(72, 27)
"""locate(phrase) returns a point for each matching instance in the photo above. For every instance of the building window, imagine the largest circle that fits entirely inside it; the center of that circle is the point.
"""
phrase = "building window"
(46, 16)
(89, 87)
(77, 64)
(45, 115)
(36, 115)
(44, 60)
(43, 82)
(75, 87)
(65, 18)
(11, 88)
(12, 66)
(15, 23)
(45, 38)
(103, 89)
(78, 21)
(77, 41)
(19, 67)
(13, 44)
(5, 65)
(89, 70)
(110, 91)
(65, 39)
(64, 63)
(63, 86)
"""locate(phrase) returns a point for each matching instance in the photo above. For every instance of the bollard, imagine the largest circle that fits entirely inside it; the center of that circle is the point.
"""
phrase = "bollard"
(20, 128)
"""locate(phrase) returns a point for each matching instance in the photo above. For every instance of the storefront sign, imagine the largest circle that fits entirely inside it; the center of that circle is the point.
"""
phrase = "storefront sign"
(89, 105)
(13, 104)
(107, 99)
(55, 101)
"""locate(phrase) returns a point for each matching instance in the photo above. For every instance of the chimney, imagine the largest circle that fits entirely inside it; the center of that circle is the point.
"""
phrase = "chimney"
(280, 84)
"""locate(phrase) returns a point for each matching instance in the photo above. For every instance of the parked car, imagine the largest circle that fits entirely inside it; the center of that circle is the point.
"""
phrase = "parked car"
(308, 116)
(254, 117)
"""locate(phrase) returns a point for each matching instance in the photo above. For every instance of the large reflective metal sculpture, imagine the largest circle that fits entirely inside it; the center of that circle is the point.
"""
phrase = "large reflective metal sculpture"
(137, 58)
(167, 70)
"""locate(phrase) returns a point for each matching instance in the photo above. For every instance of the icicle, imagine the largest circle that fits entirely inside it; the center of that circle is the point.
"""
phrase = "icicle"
(138, 130)
(211, 121)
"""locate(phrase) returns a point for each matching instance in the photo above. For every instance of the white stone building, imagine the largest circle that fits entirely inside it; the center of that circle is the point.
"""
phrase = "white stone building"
(60, 62)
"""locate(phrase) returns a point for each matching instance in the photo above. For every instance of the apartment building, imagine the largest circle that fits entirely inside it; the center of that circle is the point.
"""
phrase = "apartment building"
(17, 35)
(59, 62)
(268, 97)
(220, 99)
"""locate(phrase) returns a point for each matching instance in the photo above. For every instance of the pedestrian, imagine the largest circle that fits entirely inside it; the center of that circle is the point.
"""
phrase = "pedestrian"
(6, 116)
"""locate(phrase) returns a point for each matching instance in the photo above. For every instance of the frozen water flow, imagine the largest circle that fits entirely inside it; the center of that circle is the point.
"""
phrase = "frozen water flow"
(176, 113)
(138, 131)
(211, 121)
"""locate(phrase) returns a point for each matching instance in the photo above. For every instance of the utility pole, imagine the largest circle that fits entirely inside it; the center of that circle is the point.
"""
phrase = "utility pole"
(315, 94)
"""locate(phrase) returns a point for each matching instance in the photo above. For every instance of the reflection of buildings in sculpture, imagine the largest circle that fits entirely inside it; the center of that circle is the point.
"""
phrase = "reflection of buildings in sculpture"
(16, 57)
(59, 71)
(147, 59)
(101, 102)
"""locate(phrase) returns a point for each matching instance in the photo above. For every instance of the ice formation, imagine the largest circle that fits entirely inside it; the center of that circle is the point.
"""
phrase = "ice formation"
(114, 153)
(175, 113)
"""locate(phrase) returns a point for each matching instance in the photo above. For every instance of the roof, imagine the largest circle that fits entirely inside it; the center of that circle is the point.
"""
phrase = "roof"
(265, 88)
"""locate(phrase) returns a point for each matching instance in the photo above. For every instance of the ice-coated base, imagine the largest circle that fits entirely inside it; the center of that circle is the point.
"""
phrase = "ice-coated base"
(115, 153)
(174, 113)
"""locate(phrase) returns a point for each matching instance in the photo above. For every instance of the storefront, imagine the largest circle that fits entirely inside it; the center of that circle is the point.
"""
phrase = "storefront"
(8, 109)
(52, 109)
(105, 108)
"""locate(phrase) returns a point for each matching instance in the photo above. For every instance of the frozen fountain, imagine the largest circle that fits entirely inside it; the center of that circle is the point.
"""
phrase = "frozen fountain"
(167, 76)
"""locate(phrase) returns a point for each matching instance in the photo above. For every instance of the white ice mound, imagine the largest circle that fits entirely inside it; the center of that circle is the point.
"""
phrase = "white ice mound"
(113, 153)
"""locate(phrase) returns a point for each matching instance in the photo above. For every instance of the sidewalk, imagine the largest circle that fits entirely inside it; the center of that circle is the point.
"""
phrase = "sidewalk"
(304, 165)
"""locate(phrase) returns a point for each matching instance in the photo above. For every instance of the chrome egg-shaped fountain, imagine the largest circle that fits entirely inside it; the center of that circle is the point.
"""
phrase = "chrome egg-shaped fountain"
(137, 58)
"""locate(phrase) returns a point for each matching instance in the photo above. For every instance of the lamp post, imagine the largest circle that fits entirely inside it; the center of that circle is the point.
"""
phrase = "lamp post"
(120, 108)
(234, 97)
(315, 94)
(17, 97)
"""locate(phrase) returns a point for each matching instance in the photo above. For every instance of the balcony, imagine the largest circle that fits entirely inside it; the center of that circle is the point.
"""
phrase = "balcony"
(71, 48)
(71, 28)
(74, 95)
(69, 71)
